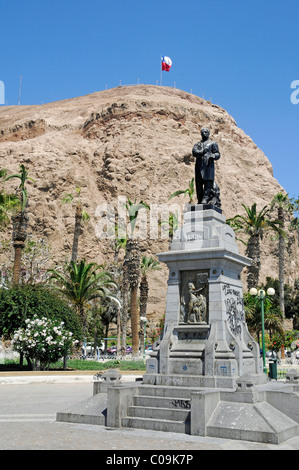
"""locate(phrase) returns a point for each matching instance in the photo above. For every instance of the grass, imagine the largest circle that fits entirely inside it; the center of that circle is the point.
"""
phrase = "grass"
(79, 364)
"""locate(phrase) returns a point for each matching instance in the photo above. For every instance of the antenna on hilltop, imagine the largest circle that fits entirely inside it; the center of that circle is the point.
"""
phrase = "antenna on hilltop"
(20, 89)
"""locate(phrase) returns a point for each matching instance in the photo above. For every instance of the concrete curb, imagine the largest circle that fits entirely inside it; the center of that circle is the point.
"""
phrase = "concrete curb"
(63, 379)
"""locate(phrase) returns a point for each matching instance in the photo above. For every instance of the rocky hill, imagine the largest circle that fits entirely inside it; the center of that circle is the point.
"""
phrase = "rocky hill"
(131, 142)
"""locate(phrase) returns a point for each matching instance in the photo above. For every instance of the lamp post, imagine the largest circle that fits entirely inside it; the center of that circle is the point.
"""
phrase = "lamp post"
(261, 294)
(143, 320)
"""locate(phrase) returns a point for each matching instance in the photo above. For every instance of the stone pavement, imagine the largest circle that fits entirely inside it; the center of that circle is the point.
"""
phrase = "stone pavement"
(28, 411)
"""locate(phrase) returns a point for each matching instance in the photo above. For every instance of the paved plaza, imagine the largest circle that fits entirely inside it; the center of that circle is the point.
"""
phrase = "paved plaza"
(28, 409)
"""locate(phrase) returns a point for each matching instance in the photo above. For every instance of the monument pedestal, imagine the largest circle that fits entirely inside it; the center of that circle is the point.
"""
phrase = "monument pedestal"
(205, 342)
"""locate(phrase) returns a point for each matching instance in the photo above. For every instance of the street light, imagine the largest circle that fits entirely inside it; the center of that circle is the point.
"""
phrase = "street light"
(143, 320)
(261, 294)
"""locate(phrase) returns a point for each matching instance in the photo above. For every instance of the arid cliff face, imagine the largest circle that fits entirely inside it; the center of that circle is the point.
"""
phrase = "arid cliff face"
(131, 142)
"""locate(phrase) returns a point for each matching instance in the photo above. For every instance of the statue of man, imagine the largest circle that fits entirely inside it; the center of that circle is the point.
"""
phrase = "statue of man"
(205, 152)
(197, 305)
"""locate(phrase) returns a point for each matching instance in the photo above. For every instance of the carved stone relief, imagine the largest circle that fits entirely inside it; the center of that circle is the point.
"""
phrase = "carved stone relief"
(194, 297)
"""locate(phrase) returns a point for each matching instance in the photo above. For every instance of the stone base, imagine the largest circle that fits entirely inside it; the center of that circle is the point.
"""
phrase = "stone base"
(90, 411)
(259, 413)
(198, 381)
(266, 413)
(202, 207)
(259, 422)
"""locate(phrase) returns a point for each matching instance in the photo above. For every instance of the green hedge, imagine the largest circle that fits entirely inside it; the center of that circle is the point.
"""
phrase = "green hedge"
(25, 301)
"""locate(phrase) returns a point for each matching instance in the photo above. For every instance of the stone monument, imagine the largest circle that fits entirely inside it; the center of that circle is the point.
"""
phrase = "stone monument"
(204, 376)
(206, 341)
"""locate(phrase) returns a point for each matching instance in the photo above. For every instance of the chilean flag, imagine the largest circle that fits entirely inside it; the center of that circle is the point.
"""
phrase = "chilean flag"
(166, 63)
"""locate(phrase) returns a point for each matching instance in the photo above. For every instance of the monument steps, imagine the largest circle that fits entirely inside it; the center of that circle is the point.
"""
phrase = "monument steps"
(160, 408)
(161, 402)
(166, 391)
(136, 411)
(157, 424)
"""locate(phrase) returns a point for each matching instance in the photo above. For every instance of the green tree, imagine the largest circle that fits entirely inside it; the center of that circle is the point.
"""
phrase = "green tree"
(8, 204)
(282, 340)
(291, 296)
(21, 302)
(273, 319)
(81, 283)
(284, 207)
(254, 224)
(108, 314)
(20, 221)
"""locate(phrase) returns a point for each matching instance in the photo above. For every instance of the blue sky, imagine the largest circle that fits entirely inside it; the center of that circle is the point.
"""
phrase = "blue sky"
(242, 55)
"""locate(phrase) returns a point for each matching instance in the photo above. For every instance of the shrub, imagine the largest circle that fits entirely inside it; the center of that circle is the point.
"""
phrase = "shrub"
(43, 341)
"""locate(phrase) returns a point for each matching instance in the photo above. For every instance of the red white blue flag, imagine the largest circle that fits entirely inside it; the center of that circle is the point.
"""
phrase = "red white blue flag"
(166, 63)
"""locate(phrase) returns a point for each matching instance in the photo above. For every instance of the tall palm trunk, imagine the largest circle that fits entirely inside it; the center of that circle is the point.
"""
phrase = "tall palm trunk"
(77, 232)
(143, 303)
(124, 310)
(281, 258)
(82, 316)
(133, 277)
(143, 295)
(20, 222)
(135, 321)
(253, 251)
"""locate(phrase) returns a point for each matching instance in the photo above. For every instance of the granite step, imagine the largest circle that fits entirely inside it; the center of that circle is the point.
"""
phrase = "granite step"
(159, 413)
(162, 402)
(166, 391)
(157, 424)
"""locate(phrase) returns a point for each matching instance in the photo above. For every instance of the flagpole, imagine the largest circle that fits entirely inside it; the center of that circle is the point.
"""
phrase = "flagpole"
(161, 69)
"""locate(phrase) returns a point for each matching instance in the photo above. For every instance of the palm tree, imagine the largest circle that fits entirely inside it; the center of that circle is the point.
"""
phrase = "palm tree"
(273, 319)
(282, 203)
(132, 265)
(108, 313)
(147, 264)
(8, 204)
(172, 224)
(254, 225)
(80, 217)
(20, 222)
(125, 287)
(190, 192)
(83, 282)
(96, 312)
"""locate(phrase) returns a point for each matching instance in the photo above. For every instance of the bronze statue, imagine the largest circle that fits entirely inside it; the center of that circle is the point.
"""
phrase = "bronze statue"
(205, 152)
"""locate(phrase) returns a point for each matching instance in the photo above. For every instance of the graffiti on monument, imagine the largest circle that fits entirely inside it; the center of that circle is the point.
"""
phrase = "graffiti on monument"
(234, 308)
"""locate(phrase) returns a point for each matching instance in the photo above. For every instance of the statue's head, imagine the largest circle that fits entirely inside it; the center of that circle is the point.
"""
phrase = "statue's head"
(205, 133)
(191, 286)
